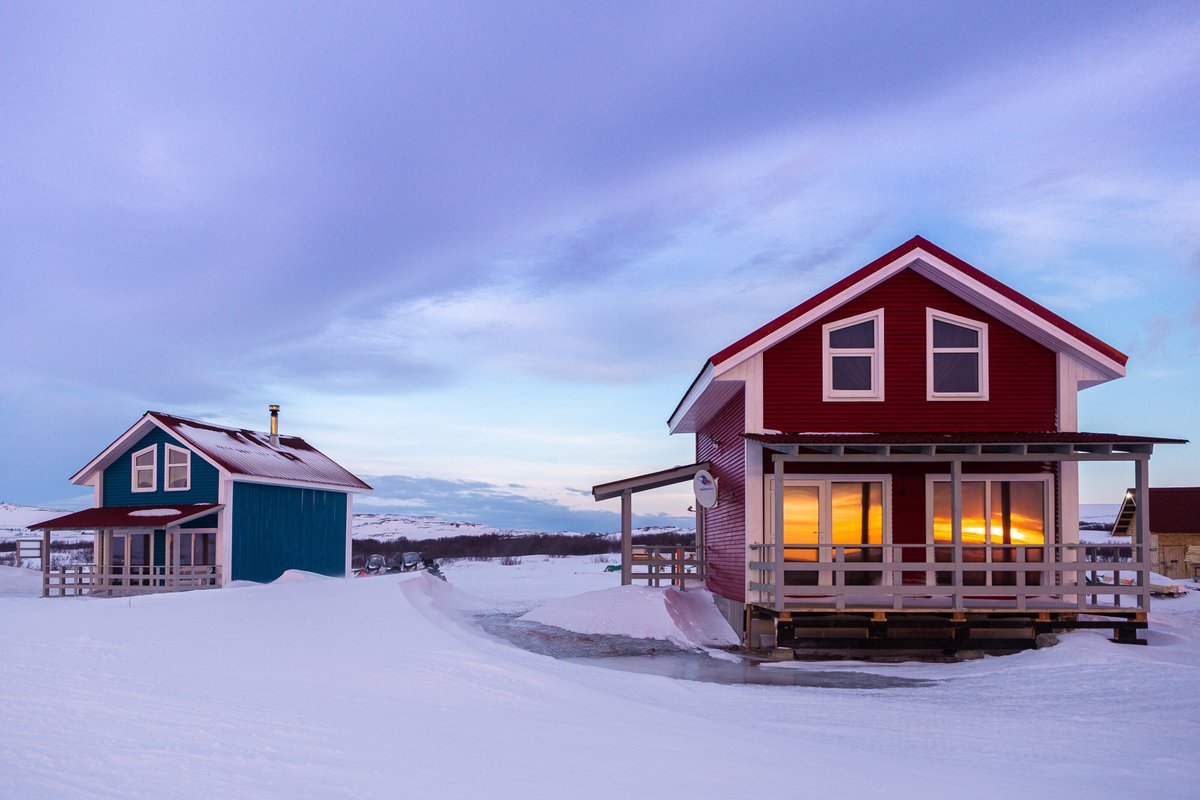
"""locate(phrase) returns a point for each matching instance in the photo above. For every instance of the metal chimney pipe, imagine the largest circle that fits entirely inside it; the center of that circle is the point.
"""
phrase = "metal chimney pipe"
(274, 409)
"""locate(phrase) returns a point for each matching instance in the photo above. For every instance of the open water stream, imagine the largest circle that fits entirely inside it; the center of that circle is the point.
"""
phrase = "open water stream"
(656, 657)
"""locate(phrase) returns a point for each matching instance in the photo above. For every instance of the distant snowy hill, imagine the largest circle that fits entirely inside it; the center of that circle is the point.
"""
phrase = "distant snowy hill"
(14, 518)
(384, 526)
(1099, 513)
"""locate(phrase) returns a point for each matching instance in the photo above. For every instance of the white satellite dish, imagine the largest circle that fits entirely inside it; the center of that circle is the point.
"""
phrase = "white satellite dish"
(705, 487)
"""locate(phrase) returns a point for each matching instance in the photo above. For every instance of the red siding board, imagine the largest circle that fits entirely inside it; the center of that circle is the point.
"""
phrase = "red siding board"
(1022, 373)
(720, 441)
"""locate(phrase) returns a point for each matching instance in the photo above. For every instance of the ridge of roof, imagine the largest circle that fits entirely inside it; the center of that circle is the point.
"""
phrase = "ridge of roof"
(918, 243)
(252, 454)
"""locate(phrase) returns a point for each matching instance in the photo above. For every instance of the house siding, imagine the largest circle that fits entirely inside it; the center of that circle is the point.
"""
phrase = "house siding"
(1022, 373)
(277, 528)
(118, 476)
(720, 441)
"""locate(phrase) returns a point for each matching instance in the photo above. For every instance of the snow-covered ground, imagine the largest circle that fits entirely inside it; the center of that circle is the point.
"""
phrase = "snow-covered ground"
(382, 687)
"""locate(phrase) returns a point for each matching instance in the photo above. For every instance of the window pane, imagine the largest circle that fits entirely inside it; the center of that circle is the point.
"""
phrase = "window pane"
(145, 478)
(858, 513)
(956, 372)
(851, 373)
(800, 521)
(185, 549)
(177, 457)
(176, 477)
(145, 459)
(861, 334)
(1018, 512)
(974, 525)
(946, 334)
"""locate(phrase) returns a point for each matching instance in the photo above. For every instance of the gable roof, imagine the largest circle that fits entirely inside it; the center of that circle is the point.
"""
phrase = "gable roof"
(943, 268)
(239, 452)
(1173, 509)
(850, 285)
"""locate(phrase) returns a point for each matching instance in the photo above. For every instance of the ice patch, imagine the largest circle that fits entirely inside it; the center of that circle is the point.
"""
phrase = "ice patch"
(155, 512)
(687, 619)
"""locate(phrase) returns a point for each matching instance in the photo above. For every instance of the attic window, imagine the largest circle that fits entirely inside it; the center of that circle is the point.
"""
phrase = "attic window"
(956, 358)
(853, 357)
(179, 469)
(145, 470)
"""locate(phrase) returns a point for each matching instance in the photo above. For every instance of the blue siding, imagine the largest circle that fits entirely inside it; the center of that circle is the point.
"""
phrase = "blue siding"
(118, 477)
(277, 528)
(204, 522)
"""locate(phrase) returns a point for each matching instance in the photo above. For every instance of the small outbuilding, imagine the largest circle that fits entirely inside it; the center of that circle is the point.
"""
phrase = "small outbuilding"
(183, 504)
(1174, 528)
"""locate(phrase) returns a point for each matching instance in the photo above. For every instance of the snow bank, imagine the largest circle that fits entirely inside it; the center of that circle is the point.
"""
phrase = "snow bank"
(688, 619)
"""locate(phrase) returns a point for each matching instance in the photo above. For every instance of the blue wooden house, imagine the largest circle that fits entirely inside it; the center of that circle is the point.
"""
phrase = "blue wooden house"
(187, 504)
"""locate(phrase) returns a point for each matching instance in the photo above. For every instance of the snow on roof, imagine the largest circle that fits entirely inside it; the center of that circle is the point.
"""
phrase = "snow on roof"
(108, 517)
(250, 453)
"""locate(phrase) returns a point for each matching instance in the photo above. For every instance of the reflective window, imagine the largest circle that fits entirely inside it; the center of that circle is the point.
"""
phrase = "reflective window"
(1003, 521)
(179, 468)
(957, 360)
(853, 354)
(145, 469)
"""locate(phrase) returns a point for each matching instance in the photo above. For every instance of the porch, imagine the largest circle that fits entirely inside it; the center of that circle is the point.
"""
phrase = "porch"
(136, 550)
(998, 552)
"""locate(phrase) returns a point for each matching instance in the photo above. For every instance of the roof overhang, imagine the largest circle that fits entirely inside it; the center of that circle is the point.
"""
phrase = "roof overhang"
(705, 397)
(990, 446)
(128, 517)
(651, 480)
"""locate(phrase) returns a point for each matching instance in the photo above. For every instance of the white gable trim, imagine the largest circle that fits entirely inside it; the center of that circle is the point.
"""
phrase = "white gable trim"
(127, 439)
(956, 282)
(291, 484)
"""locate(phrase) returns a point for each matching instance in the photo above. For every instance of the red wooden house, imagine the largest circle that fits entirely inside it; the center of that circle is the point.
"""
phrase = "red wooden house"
(898, 456)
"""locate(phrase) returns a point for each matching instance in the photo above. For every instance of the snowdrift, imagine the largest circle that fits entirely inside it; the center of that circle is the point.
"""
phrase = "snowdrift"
(687, 619)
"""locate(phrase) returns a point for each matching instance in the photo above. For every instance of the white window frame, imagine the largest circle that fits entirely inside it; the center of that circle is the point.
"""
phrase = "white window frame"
(1050, 522)
(982, 350)
(153, 467)
(875, 393)
(187, 465)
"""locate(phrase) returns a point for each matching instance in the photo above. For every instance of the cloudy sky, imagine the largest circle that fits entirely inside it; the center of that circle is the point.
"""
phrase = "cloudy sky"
(478, 251)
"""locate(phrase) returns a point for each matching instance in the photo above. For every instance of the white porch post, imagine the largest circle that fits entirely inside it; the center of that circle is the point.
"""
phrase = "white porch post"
(626, 537)
(956, 530)
(779, 587)
(1141, 488)
(173, 565)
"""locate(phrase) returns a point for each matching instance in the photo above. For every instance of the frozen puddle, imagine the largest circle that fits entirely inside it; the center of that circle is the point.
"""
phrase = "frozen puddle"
(657, 657)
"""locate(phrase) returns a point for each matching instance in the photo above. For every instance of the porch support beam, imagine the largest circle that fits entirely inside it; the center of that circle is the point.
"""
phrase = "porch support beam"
(956, 529)
(778, 478)
(1141, 489)
(626, 537)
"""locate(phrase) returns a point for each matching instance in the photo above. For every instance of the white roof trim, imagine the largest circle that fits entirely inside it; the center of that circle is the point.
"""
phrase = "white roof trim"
(135, 432)
(955, 281)
(693, 394)
(328, 487)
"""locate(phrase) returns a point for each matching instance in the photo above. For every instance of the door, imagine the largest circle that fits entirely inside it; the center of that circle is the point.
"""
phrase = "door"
(832, 519)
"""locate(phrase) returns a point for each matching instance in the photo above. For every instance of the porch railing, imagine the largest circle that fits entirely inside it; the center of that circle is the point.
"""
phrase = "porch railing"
(81, 579)
(672, 564)
(1067, 577)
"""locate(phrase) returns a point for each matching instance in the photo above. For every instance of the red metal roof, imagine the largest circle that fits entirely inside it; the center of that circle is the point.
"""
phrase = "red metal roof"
(108, 517)
(250, 453)
(918, 242)
(987, 437)
(1175, 509)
